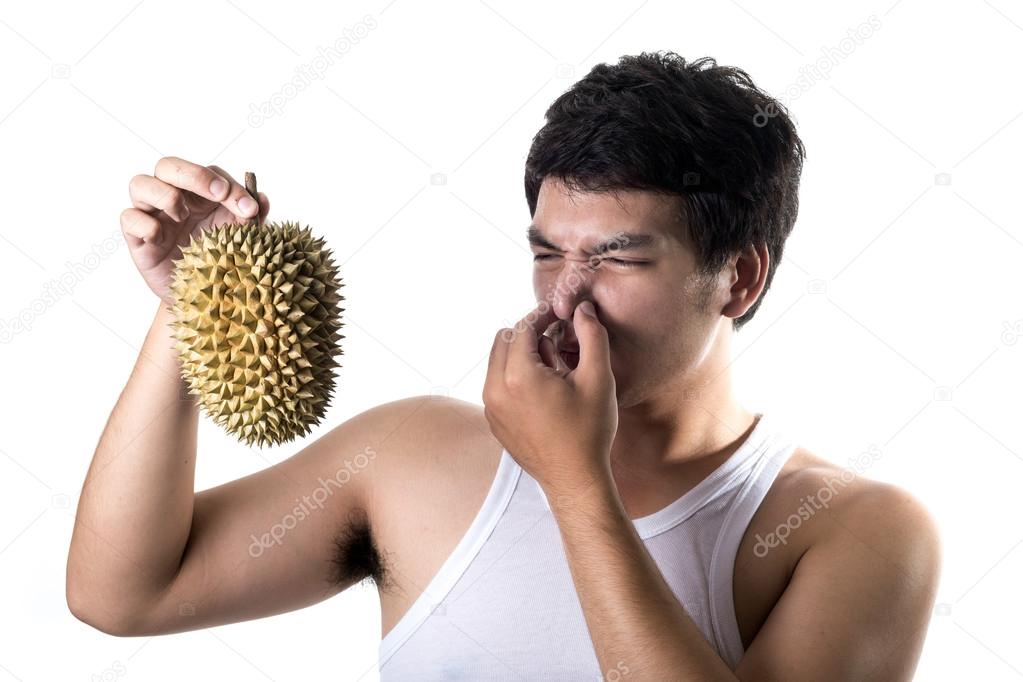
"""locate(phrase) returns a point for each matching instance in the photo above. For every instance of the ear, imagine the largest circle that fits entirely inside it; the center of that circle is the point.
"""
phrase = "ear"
(748, 279)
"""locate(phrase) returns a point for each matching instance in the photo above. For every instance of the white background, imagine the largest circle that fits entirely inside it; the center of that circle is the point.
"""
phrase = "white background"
(894, 321)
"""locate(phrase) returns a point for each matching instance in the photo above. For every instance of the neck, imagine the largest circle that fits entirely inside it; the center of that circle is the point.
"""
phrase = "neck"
(695, 418)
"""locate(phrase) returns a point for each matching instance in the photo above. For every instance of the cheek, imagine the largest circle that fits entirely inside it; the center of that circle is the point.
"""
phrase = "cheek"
(629, 306)
(541, 282)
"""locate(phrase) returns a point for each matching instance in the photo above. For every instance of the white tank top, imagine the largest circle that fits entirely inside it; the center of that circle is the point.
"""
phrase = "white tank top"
(503, 604)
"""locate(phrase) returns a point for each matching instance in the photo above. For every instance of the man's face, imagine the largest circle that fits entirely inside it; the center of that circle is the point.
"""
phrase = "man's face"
(661, 316)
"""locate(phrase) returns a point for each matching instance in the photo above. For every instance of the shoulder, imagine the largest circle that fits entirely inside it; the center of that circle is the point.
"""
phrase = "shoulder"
(869, 550)
(420, 439)
(825, 507)
(426, 445)
(431, 425)
(405, 427)
(883, 513)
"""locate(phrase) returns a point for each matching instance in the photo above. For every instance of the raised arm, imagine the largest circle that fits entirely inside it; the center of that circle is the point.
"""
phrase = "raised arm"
(149, 556)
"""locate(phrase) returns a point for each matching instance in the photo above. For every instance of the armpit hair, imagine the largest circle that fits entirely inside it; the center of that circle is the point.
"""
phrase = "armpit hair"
(356, 557)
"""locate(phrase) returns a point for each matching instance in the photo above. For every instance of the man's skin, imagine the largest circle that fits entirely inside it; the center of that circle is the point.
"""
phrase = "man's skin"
(647, 414)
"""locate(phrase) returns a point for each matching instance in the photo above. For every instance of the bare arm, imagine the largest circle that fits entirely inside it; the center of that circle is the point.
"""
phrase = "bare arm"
(857, 606)
(148, 556)
(135, 509)
(635, 622)
(859, 603)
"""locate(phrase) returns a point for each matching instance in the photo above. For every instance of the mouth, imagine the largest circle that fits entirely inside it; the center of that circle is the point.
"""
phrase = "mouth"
(571, 359)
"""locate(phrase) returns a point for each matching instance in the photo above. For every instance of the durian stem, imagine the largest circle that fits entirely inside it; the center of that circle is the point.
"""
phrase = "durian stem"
(250, 187)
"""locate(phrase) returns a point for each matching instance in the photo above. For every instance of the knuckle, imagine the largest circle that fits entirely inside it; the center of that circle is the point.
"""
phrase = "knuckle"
(172, 197)
(217, 170)
(175, 170)
(186, 176)
(490, 400)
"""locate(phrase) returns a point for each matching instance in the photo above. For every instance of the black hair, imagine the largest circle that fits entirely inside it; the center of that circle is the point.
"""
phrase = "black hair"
(703, 132)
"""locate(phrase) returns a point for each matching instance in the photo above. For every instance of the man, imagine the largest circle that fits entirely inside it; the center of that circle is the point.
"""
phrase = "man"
(612, 510)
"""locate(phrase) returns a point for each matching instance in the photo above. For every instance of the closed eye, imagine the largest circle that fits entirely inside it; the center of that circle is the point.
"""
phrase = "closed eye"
(617, 261)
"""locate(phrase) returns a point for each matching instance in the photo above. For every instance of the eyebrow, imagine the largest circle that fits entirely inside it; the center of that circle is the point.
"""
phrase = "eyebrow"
(621, 241)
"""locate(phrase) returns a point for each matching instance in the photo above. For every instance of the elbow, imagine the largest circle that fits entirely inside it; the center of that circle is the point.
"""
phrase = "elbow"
(104, 619)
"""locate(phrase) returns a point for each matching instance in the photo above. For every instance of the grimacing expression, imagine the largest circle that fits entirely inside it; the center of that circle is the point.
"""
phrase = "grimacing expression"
(625, 251)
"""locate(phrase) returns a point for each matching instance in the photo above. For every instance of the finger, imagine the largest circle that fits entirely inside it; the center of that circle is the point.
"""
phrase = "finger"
(207, 182)
(495, 365)
(523, 353)
(264, 207)
(550, 356)
(150, 194)
(238, 200)
(594, 349)
(139, 226)
(547, 352)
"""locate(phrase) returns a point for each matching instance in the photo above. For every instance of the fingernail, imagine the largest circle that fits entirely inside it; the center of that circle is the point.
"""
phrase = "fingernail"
(587, 308)
(218, 188)
(247, 206)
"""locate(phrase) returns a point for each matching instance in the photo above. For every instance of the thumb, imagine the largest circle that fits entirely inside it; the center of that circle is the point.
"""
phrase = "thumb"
(264, 207)
(594, 351)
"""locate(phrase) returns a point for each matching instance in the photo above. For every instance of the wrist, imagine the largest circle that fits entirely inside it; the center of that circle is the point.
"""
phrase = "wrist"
(591, 492)
(161, 352)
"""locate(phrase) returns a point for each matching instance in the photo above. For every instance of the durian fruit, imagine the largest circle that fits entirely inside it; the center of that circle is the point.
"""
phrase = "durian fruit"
(256, 327)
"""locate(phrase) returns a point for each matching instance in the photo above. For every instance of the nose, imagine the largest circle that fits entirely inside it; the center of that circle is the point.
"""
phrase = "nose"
(572, 285)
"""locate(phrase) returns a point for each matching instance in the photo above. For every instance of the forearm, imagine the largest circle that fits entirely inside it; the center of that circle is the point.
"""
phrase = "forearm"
(135, 510)
(635, 621)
